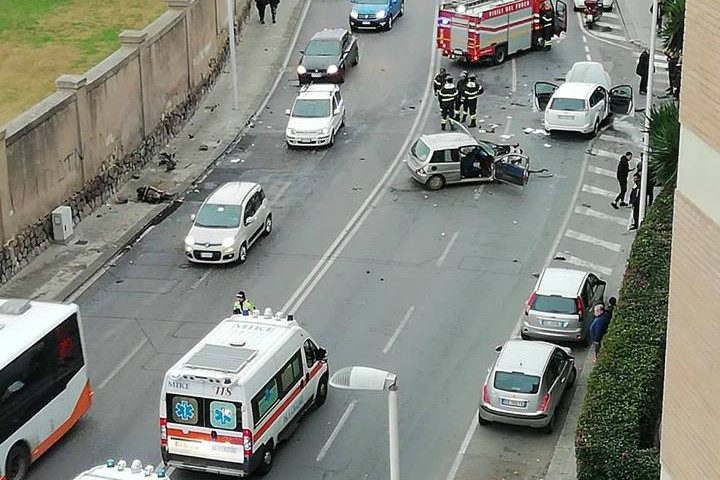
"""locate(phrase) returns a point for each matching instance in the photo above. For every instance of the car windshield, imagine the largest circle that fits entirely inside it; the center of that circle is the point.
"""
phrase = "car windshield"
(554, 304)
(306, 108)
(323, 48)
(516, 382)
(420, 150)
(213, 215)
(568, 104)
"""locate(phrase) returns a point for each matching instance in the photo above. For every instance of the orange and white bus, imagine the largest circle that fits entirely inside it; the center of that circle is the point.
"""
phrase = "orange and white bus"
(44, 387)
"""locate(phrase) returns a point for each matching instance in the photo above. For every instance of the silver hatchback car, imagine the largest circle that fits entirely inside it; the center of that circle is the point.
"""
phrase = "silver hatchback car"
(526, 384)
(560, 307)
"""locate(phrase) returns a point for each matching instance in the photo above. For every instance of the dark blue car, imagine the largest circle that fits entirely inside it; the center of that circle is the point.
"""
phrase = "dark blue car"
(375, 14)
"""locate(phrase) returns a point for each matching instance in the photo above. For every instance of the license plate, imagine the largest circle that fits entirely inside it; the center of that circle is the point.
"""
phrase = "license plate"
(366, 23)
(316, 75)
(552, 323)
(206, 255)
(567, 117)
(513, 403)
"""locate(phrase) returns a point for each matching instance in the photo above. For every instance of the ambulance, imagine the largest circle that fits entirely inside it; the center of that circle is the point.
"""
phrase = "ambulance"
(479, 30)
(227, 404)
(121, 471)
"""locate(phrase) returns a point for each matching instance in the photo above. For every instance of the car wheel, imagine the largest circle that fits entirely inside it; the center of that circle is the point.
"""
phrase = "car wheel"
(436, 182)
(342, 121)
(242, 254)
(342, 75)
(482, 421)
(402, 9)
(356, 60)
(321, 394)
(390, 22)
(500, 55)
(573, 377)
(548, 429)
(596, 129)
(17, 463)
(267, 461)
(540, 42)
(268, 225)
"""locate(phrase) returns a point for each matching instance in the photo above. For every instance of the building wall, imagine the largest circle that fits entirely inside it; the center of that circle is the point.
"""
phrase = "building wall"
(690, 424)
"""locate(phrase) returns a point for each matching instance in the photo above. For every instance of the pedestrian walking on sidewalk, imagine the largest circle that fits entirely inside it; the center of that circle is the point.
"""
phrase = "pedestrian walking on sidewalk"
(623, 170)
(642, 71)
(273, 8)
(635, 202)
(261, 6)
(598, 328)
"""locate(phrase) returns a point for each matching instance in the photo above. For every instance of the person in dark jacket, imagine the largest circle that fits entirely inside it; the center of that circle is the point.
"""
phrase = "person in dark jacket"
(439, 81)
(261, 6)
(642, 71)
(650, 192)
(273, 8)
(623, 169)
(635, 201)
(472, 91)
(598, 328)
(460, 99)
(612, 301)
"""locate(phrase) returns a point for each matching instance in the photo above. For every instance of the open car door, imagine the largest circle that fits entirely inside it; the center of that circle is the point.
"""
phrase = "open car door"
(621, 100)
(542, 91)
(561, 15)
(513, 168)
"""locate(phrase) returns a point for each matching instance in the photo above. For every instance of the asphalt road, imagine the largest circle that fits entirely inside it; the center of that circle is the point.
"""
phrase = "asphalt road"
(460, 261)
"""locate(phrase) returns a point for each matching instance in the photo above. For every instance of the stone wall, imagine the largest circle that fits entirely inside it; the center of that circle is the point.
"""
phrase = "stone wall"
(78, 146)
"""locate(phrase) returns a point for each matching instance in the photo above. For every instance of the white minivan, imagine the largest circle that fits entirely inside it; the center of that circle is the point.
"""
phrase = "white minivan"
(583, 102)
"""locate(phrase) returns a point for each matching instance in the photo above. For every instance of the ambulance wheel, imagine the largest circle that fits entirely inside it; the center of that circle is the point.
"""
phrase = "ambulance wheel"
(321, 394)
(436, 182)
(266, 461)
(18, 462)
(500, 54)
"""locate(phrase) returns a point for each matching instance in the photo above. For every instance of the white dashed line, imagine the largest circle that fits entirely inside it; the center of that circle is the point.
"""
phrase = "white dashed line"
(445, 253)
(587, 49)
(614, 139)
(611, 15)
(610, 36)
(589, 58)
(585, 39)
(598, 152)
(589, 265)
(336, 431)
(601, 216)
(399, 329)
(598, 191)
(601, 171)
(514, 75)
(463, 447)
(582, 237)
(122, 363)
(612, 26)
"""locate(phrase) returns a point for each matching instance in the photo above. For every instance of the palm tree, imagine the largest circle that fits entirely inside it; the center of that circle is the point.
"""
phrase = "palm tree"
(673, 27)
(665, 142)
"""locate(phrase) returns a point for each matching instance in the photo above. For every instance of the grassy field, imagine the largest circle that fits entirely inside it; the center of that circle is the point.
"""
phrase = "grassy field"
(42, 39)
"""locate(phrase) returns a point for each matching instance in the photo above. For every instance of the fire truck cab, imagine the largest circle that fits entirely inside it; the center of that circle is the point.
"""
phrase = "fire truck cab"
(478, 30)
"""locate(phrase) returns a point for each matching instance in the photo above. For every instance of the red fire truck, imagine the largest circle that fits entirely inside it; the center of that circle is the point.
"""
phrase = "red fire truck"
(475, 30)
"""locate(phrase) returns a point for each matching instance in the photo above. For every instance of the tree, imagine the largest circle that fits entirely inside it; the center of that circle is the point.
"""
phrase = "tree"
(665, 143)
(673, 29)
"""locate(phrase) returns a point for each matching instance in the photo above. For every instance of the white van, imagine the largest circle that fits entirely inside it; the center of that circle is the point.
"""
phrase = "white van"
(228, 402)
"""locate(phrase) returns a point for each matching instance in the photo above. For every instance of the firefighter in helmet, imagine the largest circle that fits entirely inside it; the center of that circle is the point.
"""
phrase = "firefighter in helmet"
(461, 94)
(471, 93)
(447, 95)
(439, 81)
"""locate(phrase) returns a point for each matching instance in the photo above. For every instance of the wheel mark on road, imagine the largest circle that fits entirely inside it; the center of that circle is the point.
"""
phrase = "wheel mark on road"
(601, 171)
(399, 329)
(514, 75)
(336, 431)
(448, 247)
(583, 237)
(463, 448)
(578, 262)
(601, 216)
(598, 191)
(122, 364)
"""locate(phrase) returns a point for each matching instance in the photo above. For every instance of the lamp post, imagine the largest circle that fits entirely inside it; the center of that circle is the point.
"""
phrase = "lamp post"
(366, 378)
(648, 109)
(233, 53)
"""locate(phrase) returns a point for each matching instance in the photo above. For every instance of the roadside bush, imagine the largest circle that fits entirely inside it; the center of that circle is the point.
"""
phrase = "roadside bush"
(617, 435)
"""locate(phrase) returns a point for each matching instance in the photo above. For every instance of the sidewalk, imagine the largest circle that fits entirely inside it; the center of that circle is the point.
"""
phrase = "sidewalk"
(636, 17)
(61, 269)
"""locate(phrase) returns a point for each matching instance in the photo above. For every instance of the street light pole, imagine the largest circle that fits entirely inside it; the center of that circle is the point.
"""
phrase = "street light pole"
(393, 432)
(233, 53)
(648, 109)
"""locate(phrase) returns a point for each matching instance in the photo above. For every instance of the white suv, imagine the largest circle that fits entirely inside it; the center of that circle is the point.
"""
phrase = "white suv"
(232, 219)
(317, 115)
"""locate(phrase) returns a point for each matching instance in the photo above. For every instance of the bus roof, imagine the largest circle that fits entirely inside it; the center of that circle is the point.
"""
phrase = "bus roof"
(237, 346)
(24, 322)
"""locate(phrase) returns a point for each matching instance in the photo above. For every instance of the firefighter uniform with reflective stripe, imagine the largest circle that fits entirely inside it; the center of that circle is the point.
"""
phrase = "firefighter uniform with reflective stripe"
(461, 94)
(471, 93)
(439, 81)
(447, 95)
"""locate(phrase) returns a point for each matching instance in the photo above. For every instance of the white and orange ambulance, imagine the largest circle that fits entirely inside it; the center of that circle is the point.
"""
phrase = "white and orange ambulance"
(477, 30)
(228, 402)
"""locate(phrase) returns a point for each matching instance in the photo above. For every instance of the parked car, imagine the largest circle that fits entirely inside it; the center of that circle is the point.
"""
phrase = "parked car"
(560, 306)
(375, 14)
(607, 4)
(228, 223)
(583, 102)
(444, 158)
(327, 56)
(526, 383)
(316, 116)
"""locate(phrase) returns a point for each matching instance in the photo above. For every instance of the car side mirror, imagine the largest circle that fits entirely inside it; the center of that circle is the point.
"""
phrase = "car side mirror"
(287, 112)
(498, 348)
(321, 354)
(249, 220)
(192, 217)
(337, 111)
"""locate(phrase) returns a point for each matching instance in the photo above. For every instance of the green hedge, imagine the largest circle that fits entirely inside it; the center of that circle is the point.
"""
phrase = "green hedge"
(616, 435)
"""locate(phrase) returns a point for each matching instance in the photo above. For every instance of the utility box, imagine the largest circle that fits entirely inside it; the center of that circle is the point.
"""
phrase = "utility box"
(62, 224)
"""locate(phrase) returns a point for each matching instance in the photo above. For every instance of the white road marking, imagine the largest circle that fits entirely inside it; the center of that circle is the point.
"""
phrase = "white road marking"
(598, 191)
(611, 15)
(614, 139)
(589, 265)
(601, 171)
(611, 36)
(600, 215)
(587, 32)
(463, 448)
(583, 237)
(599, 152)
(94, 277)
(200, 280)
(613, 26)
(658, 56)
(280, 193)
(514, 75)
(399, 329)
(122, 364)
(587, 49)
(448, 247)
(584, 39)
(336, 431)
(661, 65)
(589, 58)
(507, 125)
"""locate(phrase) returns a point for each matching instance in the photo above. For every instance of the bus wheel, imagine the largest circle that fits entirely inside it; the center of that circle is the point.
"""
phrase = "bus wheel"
(267, 461)
(18, 462)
